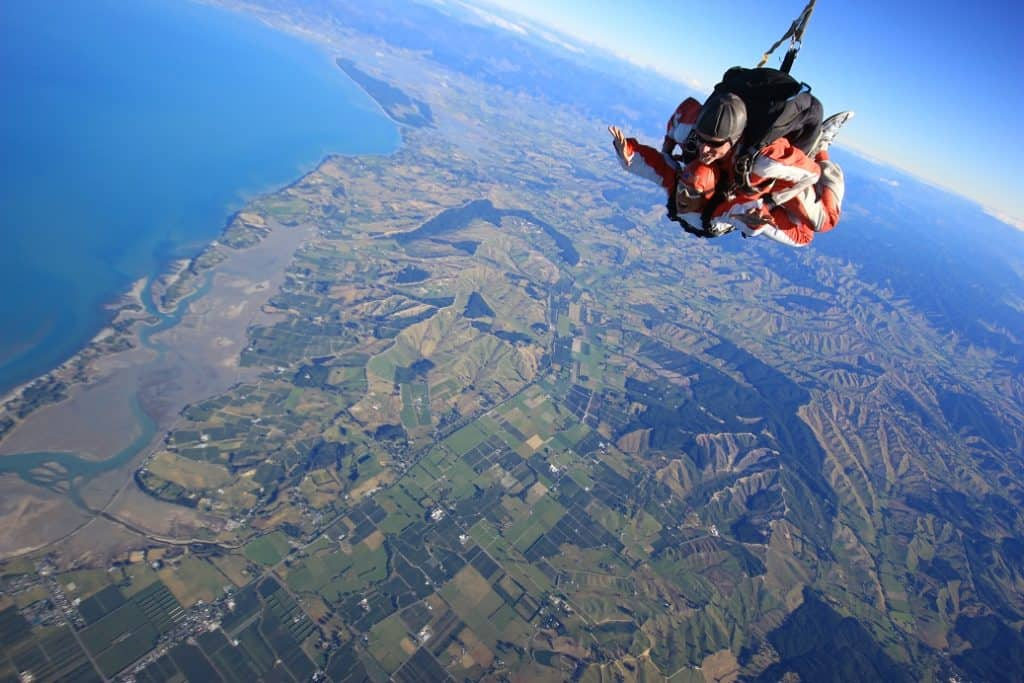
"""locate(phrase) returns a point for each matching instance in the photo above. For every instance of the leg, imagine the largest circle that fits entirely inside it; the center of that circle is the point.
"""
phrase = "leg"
(815, 209)
(832, 188)
(787, 229)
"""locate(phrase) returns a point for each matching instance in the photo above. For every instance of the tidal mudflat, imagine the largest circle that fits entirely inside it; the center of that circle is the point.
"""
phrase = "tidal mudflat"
(88, 444)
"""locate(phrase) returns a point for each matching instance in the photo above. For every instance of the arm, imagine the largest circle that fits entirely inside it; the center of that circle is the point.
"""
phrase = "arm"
(680, 124)
(753, 218)
(643, 161)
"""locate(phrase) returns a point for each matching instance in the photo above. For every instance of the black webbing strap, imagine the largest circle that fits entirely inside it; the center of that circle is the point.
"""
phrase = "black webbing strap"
(795, 34)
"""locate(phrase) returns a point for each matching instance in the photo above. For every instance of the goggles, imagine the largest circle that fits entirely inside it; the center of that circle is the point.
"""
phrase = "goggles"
(688, 193)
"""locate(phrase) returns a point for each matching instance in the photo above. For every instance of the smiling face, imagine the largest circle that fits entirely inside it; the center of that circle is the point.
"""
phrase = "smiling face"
(720, 124)
(688, 201)
(710, 150)
(695, 186)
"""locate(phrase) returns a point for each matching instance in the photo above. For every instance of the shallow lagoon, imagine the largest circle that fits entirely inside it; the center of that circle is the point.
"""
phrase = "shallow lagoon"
(129, 133)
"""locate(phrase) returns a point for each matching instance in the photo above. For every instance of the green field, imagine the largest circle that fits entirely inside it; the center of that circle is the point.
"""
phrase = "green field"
(415, 405)
(465, 439)
(268, 549)
(366, 567)
(316, 571)
(130, 631)
(384, 643)
(460, 478)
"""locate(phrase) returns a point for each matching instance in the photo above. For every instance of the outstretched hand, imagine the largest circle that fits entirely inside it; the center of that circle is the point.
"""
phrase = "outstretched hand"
(619, 140)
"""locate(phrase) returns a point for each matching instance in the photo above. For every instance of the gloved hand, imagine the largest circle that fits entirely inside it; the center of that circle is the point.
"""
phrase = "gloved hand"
(756, 218)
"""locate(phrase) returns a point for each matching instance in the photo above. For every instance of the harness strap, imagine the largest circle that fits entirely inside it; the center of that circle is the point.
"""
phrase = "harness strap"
(744, 164)
(795, 33)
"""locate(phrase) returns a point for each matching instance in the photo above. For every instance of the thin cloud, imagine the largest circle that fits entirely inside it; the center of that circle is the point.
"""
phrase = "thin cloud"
(555, 40)
(1012, 221)
(496, 20)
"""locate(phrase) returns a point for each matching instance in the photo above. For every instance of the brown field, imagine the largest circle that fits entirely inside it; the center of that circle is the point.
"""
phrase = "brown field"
(436, 603)
(141, 575)
(535, 673)
(535, 493)
(382, 479)
(165, 519)
(374, 540)
(283, 515)
(316, 608)
(480, 653)
(234, 568)
(26, 598)
(470, 586)
(190, 474)
(320, 488)
(721, 667)
(534, 401)
(193, 580)
(84, 582)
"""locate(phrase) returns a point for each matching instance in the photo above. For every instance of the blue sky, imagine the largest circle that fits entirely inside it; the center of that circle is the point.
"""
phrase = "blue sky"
(938, 86)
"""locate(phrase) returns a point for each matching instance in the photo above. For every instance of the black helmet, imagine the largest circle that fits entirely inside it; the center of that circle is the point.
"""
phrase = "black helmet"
(723, 116)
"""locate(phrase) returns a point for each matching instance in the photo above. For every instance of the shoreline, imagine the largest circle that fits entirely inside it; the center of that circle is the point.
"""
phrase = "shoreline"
(137, 312)
(117, 313)
(89, 423)
(118, 305)
(74, 371)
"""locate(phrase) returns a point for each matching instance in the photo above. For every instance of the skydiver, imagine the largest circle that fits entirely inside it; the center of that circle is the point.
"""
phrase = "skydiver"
(787, 197)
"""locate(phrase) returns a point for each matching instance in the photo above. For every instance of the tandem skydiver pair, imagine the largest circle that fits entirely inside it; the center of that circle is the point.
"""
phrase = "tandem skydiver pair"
(753, 156)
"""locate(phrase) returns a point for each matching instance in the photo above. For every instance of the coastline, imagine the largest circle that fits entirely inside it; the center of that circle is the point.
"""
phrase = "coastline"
(124, 303)
(143, 231)
(182, 364)
(130, 308)
(180, 278)
(41, 420)
(83, 438)
(118, 334)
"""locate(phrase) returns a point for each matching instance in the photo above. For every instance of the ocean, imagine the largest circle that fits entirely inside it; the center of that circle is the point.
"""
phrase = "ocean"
(129, 133)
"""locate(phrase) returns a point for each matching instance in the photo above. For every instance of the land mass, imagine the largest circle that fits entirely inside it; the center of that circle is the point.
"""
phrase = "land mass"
(474, 410)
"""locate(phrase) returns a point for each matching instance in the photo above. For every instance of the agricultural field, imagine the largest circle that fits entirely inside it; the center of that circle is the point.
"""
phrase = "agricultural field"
(192, 580)
(49, 654)
(269, 549)
(129, 630)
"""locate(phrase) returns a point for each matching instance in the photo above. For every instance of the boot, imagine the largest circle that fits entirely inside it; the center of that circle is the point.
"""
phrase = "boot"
(829, 129)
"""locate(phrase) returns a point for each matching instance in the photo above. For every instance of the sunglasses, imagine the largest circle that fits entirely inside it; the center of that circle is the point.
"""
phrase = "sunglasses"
(710, 142)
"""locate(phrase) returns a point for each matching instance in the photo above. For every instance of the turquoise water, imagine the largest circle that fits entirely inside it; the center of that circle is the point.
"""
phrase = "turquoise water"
(129, 131)
(50, 469)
